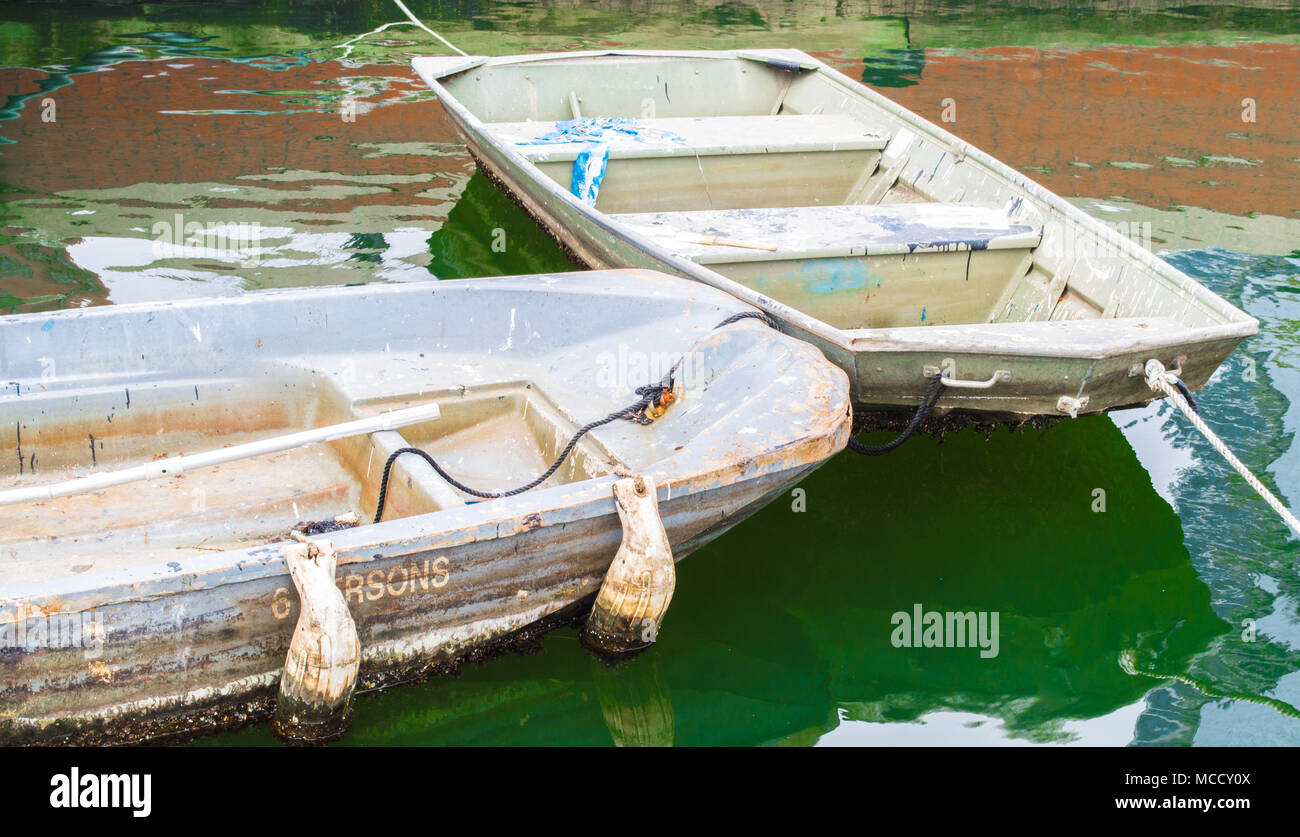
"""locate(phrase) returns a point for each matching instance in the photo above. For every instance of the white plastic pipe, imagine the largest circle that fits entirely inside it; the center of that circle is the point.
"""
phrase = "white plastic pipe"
(175, 467)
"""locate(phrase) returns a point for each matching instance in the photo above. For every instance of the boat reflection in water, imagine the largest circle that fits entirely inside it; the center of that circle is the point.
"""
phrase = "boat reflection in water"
(485, 234)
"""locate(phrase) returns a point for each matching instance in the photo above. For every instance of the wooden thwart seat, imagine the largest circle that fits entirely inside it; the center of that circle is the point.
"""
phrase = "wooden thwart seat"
(704, 136)
(835, 231)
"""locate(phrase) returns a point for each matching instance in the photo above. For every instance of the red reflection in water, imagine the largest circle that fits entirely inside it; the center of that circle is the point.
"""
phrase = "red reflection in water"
(1123, 104)
(128, 125)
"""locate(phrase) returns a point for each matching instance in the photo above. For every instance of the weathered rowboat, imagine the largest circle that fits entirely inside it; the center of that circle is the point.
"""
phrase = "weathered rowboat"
(898, 249)
(164, 605)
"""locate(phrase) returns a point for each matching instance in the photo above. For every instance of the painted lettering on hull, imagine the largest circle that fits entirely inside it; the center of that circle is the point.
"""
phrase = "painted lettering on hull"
(358, 587)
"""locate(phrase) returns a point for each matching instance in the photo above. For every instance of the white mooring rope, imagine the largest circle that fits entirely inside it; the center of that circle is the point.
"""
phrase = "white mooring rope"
(417, 22)
(1165, 382)
(348, 45)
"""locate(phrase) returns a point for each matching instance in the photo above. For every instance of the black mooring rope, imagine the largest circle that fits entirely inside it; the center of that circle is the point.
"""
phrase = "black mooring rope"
(932, 394)
(634, 412)
(761, 316)
(1187, 394)
(651, 395)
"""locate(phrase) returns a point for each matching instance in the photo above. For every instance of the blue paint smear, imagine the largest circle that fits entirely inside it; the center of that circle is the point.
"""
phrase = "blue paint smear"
(49, 325)
(951, 244)
(937, 163)
(922, 313)
(828, 276)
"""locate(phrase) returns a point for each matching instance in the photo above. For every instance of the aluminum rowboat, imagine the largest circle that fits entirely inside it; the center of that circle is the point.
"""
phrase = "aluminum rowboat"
(895, 247)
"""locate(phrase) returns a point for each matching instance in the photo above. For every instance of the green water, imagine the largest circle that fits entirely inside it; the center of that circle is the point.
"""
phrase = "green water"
(1169, 617)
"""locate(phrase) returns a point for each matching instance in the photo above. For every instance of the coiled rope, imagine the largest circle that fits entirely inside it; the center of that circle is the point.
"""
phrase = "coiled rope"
(1162, 381)
(932, 393)
(653, 400)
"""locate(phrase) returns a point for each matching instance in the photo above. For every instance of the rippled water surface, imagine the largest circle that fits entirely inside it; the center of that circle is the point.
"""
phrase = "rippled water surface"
(1173, 617)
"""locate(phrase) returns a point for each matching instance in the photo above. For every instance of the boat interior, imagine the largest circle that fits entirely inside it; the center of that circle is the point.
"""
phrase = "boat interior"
(828, 201)
(493, 436)
(515, 367)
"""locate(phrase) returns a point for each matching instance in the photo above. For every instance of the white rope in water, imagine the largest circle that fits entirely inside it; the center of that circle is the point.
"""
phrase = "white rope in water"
(1164, 382)
(347, 45)
(417, 22)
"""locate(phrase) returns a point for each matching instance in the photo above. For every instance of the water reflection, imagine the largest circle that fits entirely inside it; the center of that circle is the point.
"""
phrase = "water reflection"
(893, 68)
(485, 234)
(1239, 548)
(637, 709)
(333, 200)
(968, 729)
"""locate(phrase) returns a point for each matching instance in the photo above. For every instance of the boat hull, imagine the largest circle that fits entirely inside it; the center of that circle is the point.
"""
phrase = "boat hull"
(183, 662)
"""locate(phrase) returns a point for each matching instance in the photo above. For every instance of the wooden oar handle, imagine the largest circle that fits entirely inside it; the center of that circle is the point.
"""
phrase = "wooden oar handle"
(726, 242)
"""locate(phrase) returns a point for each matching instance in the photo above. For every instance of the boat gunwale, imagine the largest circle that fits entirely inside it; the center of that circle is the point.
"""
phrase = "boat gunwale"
(945, 338)
(1235, 323)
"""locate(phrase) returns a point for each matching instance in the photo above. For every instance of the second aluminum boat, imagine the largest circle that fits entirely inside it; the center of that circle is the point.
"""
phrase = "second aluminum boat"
(895, 247)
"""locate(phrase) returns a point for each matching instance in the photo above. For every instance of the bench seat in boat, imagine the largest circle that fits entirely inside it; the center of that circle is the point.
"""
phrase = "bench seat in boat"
(837, 231)
(684, 163)
(878, 266)
(705, 136)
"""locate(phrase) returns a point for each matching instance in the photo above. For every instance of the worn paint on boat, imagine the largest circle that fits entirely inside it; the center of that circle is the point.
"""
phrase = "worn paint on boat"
(163, 606)
(895, 247)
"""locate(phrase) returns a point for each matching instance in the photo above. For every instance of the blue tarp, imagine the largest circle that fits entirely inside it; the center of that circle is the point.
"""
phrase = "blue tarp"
(589, 172)
(589, 167)
(600, 129)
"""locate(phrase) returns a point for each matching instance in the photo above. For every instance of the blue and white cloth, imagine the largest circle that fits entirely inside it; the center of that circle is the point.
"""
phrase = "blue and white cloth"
(589, 172)
(597, 133)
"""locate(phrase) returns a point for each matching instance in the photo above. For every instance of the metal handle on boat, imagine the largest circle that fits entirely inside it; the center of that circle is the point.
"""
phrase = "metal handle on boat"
(1000, 375)
(787, 66)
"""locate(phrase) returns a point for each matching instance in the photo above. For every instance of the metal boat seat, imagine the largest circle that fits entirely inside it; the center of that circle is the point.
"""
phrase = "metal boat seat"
(703, 136)
(837, 231)
(861, 266)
